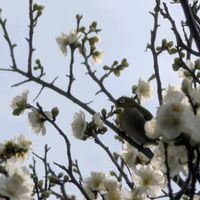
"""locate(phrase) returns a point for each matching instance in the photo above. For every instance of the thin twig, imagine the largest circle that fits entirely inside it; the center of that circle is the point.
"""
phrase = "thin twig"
(191, 22)
(168, 172)
(71, 75)
(128, 182)
(20, 83)
(152, 47)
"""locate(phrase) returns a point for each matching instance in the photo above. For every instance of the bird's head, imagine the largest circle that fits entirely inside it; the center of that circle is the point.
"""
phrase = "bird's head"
(125, 102)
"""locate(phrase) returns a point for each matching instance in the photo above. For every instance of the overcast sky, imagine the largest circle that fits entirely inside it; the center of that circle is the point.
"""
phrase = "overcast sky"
(125, 32)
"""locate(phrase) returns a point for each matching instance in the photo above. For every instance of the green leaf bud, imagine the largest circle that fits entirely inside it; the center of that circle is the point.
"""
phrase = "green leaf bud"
(125, 63)
(66, 178)
(116, 155)
(116, 73)
(164, 43)
(46, 194)
(82, 29)
(134, 88)
(115, 63)
(37, 61)
(175, 67)
(104, 112)
(112, 173)
(54, 112)
(78, 17)
(172, 51)
(105, 67)
(170, 44)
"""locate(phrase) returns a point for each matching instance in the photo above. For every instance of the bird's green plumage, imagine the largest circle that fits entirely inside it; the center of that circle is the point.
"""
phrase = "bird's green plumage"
(132, 119)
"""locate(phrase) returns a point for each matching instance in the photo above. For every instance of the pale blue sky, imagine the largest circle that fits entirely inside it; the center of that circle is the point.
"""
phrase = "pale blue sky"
(125, 32)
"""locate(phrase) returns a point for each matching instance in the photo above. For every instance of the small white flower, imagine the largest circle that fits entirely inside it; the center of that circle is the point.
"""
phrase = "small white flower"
(113, 190)
(177, 158)
(95, 182)
(174, 118)
(195, 95)
(186, 85)
(37, 121)
(73, 37)
(62, 42)
(136, 194)
(18, 185)
(97, 57)
(26, 144)
(149, 180)
(150, 129)
(173, 94)
(19, 103)
(143, 90)
(98, 121)
(65, 40)
(79, 125)
(129, 154)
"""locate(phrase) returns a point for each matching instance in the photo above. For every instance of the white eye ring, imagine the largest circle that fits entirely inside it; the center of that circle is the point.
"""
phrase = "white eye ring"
(122, 100)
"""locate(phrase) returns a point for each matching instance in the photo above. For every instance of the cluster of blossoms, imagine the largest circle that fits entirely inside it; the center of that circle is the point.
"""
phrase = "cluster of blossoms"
(148, 182)
(149, 179)
(176, 117)
(66, 40)
(19, 103)
(98, 184)
(78, 38)
(143, 90)
(36, 119)
(177, 124)
(17, 149)
(15, 180)
(79, 125)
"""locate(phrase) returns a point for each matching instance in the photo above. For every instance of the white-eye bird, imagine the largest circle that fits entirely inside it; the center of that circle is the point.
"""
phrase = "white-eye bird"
(131, 119)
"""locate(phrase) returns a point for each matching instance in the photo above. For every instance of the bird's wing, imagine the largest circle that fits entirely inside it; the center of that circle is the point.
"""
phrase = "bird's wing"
(147, 115)
(132, 123)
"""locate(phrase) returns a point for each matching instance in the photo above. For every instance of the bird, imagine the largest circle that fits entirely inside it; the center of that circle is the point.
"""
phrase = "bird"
(131, 119)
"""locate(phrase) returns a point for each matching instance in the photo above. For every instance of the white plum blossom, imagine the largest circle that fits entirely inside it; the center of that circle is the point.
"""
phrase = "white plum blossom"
(95, 182)
(26, 144)
(136, 194)
(150, 129)
(183, 72)
(113, 190)
(73, 37)
(18, 185)
(79, 125)
(195, 95)
(19, 103)
(177, 158)
(37, 121)
(186, 85)
(69, 39)
(97, 57)
(149, 179)
(96, 119)
(173, 94)
(132, 156)
(129, 154)
(174, 118)
(62, 42)
(144, 90)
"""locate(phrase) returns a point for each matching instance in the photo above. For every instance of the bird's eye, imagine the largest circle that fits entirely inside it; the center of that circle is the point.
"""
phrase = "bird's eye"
(122, 100)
